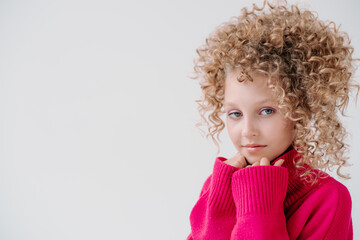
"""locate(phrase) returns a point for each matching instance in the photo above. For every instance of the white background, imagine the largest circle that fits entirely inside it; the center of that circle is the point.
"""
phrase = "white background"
(98, 113)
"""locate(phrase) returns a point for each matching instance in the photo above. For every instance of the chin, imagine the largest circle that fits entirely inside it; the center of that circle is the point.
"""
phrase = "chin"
(251, 159)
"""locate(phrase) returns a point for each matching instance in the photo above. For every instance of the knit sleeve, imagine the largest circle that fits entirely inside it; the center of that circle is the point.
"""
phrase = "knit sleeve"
(259, 193)
(213, 216)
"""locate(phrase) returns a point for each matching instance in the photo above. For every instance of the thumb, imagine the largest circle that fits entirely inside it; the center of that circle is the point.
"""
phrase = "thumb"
(237, 161)
(240, 161)
(279, 162)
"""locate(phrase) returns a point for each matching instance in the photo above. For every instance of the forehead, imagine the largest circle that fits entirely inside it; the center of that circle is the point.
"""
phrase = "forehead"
(254, 90)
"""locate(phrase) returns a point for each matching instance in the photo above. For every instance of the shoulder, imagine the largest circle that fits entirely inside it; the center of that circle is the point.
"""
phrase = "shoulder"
(330, 193)
(333, 191)
(338, 188)
(337, 195)
(340, 209)
(325, 189)
(325, 213)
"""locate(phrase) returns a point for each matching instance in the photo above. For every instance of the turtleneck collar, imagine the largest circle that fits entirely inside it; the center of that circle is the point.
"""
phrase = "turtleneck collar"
(297, 187)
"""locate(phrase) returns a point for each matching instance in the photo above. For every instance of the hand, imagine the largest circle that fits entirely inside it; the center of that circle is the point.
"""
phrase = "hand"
(265, 162)
(239, 161)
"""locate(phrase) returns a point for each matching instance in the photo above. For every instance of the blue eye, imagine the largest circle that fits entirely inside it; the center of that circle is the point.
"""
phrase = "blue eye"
(267, 111)
(235, 114)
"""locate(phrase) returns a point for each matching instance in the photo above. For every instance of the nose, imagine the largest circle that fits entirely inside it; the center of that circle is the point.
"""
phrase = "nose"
(250, 127)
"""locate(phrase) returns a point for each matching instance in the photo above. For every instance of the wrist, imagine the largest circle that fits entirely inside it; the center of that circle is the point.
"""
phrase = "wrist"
(259, 189)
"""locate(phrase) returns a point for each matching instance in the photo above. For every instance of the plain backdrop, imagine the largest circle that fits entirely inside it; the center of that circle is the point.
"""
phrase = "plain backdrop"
(98, 114)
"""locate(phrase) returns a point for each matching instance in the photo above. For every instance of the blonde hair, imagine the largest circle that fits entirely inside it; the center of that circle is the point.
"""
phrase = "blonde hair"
(312, 61)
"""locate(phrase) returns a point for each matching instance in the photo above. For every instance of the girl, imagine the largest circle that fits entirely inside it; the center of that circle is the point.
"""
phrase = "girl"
(280, 75)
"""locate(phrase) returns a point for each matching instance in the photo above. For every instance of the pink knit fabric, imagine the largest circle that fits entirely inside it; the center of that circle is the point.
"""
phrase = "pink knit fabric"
(270, 202)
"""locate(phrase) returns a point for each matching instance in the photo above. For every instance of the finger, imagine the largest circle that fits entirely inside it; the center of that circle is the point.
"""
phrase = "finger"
(264, 162)
(256, 164)
(279, 162)
(241, 162)
(237, 161)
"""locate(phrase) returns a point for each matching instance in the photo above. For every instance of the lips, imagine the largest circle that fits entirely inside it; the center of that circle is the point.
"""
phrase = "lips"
(254, 145)
(252, 148)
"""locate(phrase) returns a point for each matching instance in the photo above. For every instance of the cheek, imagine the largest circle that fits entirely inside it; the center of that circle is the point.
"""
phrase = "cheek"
(293, 132)
(286, 131)
(279, 129)
(233, 133)
(272, 127)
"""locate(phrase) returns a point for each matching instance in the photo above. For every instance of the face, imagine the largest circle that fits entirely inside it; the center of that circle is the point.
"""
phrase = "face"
(255, 125)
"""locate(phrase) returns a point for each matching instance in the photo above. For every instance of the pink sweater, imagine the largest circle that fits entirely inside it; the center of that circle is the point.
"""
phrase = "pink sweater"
(270, 202)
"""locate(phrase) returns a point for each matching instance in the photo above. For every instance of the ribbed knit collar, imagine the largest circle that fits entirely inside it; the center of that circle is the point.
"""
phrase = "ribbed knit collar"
(297, 187)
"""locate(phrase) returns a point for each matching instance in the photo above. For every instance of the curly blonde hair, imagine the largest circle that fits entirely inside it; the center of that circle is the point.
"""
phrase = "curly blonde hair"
(312, 61)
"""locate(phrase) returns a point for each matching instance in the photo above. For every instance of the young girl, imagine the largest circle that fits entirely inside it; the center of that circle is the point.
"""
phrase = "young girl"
(281, 76)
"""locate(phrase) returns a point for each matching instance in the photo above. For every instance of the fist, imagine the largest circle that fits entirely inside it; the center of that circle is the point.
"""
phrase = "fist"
(265, 162)
(239, 161)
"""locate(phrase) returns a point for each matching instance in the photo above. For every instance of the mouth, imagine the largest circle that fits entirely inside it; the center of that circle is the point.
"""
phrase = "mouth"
(254, 147)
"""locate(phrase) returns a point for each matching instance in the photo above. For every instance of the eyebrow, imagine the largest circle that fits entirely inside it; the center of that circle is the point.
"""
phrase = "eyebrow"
(258, 102)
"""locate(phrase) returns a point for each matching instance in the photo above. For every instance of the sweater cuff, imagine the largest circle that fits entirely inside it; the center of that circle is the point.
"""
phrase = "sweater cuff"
(220, 195)
(259, 189)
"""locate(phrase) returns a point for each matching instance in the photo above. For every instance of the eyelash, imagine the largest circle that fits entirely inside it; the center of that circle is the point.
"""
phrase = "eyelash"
(261, 110)
(230, 114)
